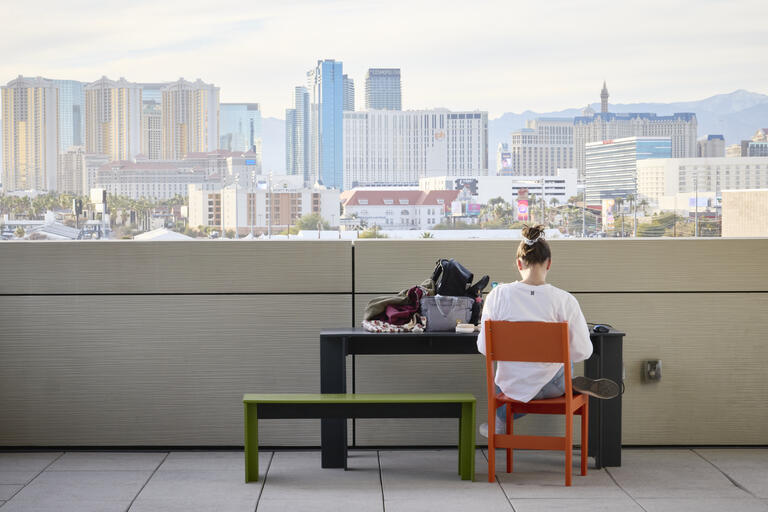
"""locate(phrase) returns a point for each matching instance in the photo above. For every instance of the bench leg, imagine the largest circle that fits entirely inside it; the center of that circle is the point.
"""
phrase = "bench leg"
(251, 443)
(467, 442)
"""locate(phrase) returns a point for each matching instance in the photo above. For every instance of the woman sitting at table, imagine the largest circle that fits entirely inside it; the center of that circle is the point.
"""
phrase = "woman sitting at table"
(533, 300)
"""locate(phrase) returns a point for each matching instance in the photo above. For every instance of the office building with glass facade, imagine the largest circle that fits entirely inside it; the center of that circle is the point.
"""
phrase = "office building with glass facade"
(71, 113)
(383, 89)
(611, 165)
(326, 82)
(240, 126)
(349, 93)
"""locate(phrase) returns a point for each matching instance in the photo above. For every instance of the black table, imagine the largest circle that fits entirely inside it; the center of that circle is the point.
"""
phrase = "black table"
(337, 344)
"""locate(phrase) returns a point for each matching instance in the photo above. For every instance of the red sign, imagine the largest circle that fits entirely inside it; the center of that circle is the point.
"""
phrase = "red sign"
(522, 209)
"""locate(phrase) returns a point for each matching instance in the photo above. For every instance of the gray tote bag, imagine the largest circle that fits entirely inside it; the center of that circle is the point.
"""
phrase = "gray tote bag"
(443, 312)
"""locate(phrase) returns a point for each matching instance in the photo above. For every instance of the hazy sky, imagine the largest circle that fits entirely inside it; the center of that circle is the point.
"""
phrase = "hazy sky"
(504, 56)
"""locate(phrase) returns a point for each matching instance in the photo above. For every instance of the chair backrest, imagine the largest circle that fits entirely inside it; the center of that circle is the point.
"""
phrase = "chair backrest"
(533, 342)
(536, 342)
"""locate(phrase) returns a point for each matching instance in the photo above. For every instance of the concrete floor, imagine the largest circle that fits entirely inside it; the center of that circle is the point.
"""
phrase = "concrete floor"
(654, 480)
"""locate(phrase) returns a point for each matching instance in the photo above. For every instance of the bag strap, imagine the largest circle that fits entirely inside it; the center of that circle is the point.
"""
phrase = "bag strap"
(438, 270)
(478, 287)
(439, 309)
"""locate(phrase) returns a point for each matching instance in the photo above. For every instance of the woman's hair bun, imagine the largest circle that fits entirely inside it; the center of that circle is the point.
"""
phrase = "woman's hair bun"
(533, 247)
(531, 232)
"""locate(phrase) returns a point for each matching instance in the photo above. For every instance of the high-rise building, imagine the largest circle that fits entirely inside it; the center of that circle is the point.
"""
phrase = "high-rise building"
(190, 118)
(240, 126)
(113, 118)
(388, 147)
(594, 127)
(69, 177)
(542, 147)
(733, 150)
(712, 146)
(604, 99)
(611, 170)
(152, 92)
(297, 141)
(383, 89)
(151, 119)
(151, 130)
(71, 113)
(326, 81)
(30, 134)
(349, 94)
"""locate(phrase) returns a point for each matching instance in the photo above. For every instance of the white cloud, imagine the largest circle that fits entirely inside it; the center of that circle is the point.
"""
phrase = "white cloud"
(497, 56)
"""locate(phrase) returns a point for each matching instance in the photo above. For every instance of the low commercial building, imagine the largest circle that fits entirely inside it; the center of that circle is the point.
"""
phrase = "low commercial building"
(668, 177)
(562, 186)
(745, 213)
(399, 208)
(268, 205)
(163, 179)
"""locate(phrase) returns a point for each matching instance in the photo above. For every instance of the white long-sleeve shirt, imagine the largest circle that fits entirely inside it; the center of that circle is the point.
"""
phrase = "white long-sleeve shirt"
(519, 302)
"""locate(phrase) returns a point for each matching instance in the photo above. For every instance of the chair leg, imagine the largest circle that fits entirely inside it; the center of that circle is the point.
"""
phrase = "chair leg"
(568, 447)
(491, 441)
(509, 432)
(584, 437)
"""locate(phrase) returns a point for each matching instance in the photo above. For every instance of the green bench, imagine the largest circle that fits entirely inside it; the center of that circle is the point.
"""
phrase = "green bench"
(420, 405)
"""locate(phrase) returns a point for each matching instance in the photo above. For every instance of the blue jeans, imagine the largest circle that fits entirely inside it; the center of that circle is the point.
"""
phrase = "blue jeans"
(552, 389)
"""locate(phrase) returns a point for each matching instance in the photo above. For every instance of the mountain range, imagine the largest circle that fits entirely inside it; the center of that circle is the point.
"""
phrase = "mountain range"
(736, 116)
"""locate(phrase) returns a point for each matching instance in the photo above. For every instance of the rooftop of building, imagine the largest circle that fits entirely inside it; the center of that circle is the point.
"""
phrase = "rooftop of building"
(413, 197)
(628, 116)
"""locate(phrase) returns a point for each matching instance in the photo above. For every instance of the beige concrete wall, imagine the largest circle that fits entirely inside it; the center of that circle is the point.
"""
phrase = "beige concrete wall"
(130, 343)
(698, 305)
(745, 213)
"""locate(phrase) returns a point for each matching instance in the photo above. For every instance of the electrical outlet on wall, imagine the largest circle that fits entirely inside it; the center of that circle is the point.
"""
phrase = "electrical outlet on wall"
(652, 370)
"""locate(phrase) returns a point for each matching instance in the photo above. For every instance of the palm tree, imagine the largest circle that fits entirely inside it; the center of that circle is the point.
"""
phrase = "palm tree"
(619, 202)
(631, 199)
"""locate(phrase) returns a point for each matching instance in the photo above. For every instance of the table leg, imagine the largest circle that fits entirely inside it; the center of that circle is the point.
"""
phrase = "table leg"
(251, 443)
(467, 441)
(333, 379)
(605, 415)
(612, 367)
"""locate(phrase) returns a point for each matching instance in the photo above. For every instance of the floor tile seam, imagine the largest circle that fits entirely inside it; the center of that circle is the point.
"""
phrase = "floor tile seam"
(147, 481)
(381, 482)
(264, 483)
(100, 470)
(608, 472)
(23, 486)
(726, 475)
(498, 482)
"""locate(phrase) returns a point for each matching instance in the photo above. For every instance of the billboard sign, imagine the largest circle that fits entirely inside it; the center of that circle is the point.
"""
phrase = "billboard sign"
(522, 204)
(456, 209)
(608, 220)
(703, 202)
(506, 160)
(250, 162)
(474, 209)
(522, 209)
(467, 184)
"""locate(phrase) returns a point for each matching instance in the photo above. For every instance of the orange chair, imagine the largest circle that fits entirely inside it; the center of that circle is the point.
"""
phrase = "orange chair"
(545, 342)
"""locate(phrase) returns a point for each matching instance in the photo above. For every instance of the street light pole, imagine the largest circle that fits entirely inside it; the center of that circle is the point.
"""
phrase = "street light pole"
(270, 209)
(696, 192)
(251, 201)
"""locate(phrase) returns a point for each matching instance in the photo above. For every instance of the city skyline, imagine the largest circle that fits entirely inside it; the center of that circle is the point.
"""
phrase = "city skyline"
(520, 69)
